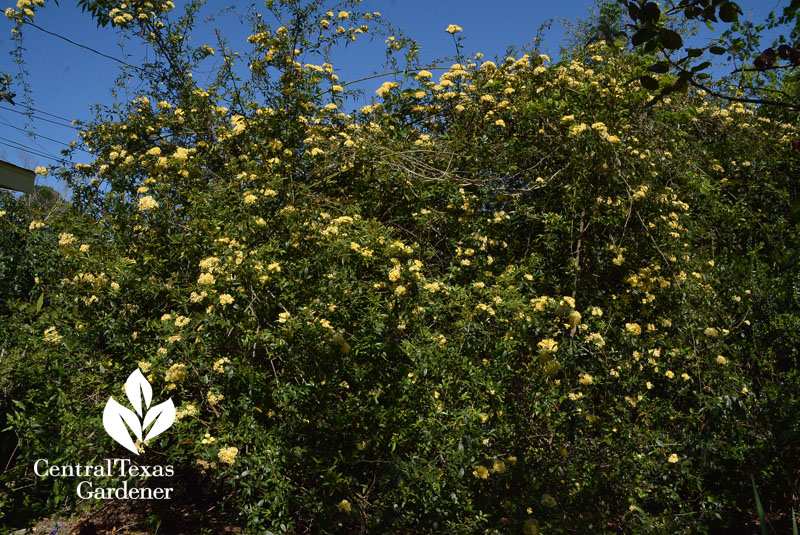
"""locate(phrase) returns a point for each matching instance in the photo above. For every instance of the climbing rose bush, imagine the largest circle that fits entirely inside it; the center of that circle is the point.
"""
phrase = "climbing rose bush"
(507, 296)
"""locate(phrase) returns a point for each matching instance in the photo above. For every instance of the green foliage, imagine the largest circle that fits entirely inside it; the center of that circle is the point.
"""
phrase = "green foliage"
(516, 298)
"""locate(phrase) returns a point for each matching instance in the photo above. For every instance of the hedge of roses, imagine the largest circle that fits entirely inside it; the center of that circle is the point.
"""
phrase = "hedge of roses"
(508, 296)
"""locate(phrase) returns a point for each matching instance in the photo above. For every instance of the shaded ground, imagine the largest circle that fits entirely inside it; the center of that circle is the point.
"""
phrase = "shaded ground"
(129, 518)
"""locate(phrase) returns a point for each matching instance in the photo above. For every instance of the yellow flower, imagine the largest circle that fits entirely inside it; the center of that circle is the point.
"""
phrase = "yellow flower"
(147, 203)
(586, 379)
(205, 278)
(453, 29)
(721, 359)
(673, 458)
(498, 466)
(219, 366)
(669, 374)
(65, 239)
(225, 299)
(481, 472)
(51, 335)
(176, 373)
(547, 346)
(633, 328)
(385, 89)
(344, 506)
(228, 455)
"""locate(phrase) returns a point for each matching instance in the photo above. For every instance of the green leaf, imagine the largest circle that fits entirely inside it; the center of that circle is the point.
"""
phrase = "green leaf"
(718, 50)
(650, 13)
(761, 519)
(39, 303)
(729, 12)
(648, 82)
(701, 66)
(671, 39)
(642, 36)
(796, 212)
(661, 67)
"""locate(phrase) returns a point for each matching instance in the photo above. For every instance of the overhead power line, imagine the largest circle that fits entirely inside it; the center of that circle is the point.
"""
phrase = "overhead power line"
(37, 118)
(44, 112)
(24, 148)
(90, 49)
(34, 134)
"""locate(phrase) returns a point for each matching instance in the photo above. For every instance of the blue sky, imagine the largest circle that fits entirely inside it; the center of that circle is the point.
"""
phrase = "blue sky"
(66, 79)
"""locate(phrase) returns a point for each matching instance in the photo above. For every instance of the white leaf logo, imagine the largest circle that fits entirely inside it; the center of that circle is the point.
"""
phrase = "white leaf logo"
(118, 420)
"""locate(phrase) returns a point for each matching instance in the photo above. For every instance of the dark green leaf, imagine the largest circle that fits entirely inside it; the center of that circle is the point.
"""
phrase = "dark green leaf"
(671, 39)
(642, 36)
(796, 212)
(661, 67)
(650, 13)
(648, 82)
(729, 12)
(718, 50)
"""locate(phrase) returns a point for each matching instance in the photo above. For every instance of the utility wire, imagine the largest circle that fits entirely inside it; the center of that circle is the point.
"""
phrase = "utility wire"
(37, 118)
(35, 135)
(4, 121)
(90, 49)
(31, 108)
(23, 148)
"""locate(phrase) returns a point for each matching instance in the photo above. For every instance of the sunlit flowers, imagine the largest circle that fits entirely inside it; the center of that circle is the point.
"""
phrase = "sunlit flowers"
(453, 29)
(65, 239)
(547, 346)
(176, 373)
(225, 299)
(51, 335)
(147, 203)
(385, 88)
(633, 328)
(344, 506)
(673, 458)
(481, 472)
(205, 278)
